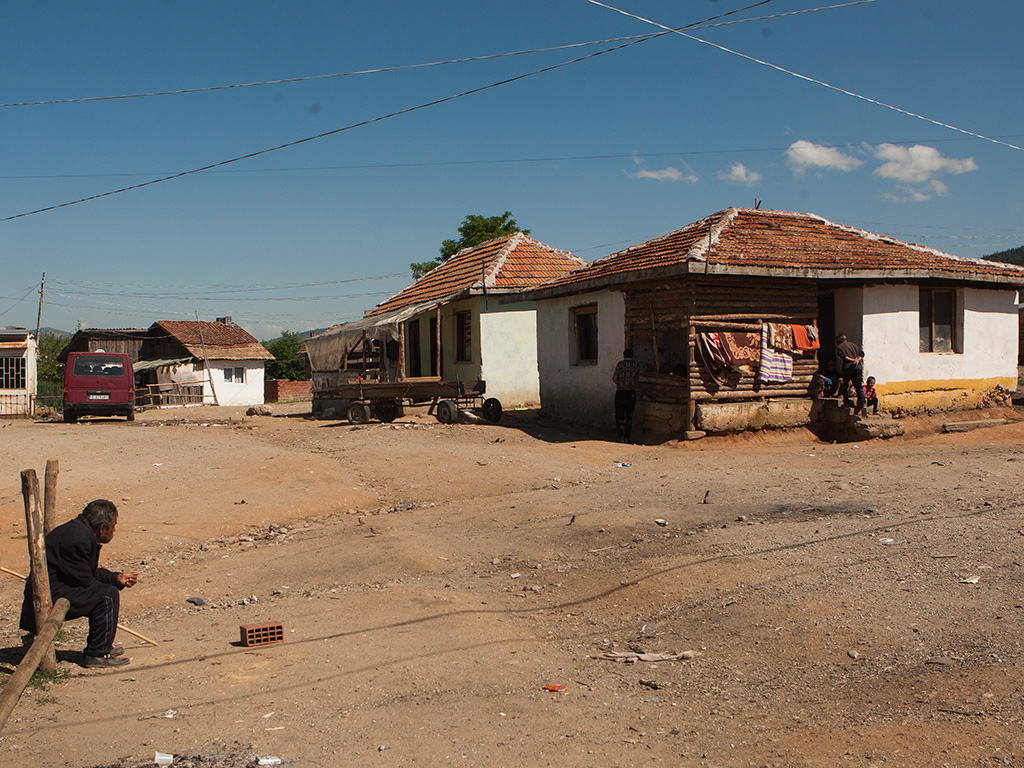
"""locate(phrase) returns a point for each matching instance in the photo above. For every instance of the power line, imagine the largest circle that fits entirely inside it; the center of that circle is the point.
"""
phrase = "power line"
(421, 65)
(810, 79)
(16, 301)
(514, 160)
(307, 78)
(191, 290)
(371, 121)
(297, 142)
(183, 297)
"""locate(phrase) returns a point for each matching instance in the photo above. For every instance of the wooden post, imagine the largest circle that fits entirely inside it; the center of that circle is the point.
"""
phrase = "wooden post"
(440, 373)
(654, 341)
(119, 624)
(23, 674)
(37, 557)
(400, 372)
(50, 495)
(206, 364)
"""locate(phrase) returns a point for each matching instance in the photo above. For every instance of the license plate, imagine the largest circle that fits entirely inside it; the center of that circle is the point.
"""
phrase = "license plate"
(99, 397)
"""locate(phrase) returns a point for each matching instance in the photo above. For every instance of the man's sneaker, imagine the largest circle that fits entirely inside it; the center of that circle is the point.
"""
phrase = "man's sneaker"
(116, 651)
(102, 662)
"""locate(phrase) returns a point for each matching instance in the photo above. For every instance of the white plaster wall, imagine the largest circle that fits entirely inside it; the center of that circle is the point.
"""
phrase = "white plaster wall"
(228, 393)
(580, 393)
(31, 361)
(250, 392)
(891, 337)
(508, 358)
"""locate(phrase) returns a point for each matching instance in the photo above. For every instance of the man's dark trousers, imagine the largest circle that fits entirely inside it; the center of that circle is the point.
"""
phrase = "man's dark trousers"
(625, 402)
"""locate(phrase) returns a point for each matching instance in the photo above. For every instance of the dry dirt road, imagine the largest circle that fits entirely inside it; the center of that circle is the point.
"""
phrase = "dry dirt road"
(855, 604)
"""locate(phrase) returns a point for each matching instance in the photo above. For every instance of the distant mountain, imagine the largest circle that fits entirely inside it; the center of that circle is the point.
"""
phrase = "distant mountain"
(1012, 256)
(55, 332)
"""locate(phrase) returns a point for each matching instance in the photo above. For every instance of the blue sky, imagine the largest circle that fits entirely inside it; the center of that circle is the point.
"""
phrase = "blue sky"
(592, 156)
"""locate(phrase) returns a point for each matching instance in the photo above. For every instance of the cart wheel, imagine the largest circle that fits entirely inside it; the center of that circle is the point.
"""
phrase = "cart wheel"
(358, 412)
(447, 412)
(387, 412)
(491, 410)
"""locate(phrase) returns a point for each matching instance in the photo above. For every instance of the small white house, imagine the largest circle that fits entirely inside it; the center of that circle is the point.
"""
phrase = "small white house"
(189, 361)
(453, 325)
(17, 372)
(938, 331)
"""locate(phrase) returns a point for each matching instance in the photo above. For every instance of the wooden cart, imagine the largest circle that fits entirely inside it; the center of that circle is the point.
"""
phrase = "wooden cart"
(385, 400)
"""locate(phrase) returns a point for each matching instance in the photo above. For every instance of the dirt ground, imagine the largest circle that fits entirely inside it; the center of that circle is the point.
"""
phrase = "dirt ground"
(854, 604)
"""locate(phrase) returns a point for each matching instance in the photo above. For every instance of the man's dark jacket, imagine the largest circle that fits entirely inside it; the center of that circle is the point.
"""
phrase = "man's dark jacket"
(72, 560)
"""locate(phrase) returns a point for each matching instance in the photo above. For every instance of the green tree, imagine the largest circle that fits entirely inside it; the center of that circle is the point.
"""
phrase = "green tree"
(47, 366)
(288, 362)
(473, 231)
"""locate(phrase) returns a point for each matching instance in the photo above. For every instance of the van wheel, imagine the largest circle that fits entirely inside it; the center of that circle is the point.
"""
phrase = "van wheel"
(131, 415)
(70, 417)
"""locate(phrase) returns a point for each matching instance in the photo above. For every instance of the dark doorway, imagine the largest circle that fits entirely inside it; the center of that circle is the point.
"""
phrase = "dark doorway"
(826, 325)
(434, 350)
(412, 338)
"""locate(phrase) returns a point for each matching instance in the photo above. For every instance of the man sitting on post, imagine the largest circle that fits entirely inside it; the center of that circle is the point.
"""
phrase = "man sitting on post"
(72, 560)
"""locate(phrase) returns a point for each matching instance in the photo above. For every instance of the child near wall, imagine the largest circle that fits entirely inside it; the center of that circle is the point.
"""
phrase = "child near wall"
(870, 396)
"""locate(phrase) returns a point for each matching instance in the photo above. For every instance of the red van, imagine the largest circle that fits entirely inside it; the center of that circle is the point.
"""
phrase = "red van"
(98, 384)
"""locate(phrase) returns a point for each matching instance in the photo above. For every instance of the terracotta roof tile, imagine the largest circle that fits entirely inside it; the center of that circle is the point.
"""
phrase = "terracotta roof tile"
(741, 240)
(506, 264)
(223, 341)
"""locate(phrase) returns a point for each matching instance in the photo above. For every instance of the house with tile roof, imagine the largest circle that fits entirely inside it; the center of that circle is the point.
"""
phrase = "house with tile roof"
(938, 331)
(451, 325)
(18, 352)
(195, 361)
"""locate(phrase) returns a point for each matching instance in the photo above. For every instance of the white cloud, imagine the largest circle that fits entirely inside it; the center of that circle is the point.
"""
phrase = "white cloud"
(916, 169)
(740, 174)
(918, 164)
(665, 174)
(802, 155)
(265, 331)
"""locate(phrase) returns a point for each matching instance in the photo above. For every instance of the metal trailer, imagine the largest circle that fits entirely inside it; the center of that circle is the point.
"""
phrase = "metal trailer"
(449, 401)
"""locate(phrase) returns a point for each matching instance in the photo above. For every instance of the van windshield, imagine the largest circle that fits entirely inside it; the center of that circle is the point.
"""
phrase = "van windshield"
(98, 365)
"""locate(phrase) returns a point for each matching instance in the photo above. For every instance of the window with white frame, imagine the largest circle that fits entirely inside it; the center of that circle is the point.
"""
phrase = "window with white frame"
(234, 375)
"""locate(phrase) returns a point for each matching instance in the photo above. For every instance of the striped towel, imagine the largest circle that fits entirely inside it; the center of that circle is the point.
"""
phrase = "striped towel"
(776, 367)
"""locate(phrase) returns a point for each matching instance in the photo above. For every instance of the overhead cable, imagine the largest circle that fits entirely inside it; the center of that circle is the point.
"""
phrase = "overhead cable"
(513, 160)
(809, 79)
(371, 121)
(421, 65)
(217, 289)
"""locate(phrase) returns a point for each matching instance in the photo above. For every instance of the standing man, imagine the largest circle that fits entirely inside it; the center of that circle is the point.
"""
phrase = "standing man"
(625, 376)
(851, 364)
(72, 560)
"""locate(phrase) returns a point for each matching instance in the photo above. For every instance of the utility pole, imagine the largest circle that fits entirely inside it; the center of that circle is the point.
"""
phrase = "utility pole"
(39, 317)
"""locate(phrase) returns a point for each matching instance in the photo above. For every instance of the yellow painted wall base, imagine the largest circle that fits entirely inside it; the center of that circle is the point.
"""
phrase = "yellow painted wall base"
(904, 398)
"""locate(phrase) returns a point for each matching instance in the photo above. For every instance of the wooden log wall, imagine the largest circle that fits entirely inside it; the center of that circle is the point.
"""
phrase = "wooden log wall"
(703, 303)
